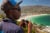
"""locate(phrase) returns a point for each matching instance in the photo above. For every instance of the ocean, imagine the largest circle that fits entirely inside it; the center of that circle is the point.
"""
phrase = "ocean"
(43, 19)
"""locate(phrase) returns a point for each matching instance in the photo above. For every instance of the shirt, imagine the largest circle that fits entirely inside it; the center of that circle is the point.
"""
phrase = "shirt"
(9, 27)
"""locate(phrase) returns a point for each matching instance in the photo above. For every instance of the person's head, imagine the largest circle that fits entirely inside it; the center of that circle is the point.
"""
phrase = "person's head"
(12, 12)
(24, 23)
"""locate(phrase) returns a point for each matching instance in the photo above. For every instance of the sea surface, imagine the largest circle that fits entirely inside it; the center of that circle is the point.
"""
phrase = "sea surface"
(43, 19)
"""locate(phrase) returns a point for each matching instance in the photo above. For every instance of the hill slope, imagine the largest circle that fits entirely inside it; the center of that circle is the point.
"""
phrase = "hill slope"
(35, 9)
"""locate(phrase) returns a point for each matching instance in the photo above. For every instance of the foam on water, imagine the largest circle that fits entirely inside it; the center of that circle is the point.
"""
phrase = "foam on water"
(40, 19)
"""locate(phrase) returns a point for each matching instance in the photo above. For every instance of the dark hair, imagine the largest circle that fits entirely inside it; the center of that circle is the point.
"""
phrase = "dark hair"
(24, 21)
(7, 6)
(27, 21)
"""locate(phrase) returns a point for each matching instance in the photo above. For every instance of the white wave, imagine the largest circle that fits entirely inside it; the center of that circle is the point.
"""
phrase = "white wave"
(29, 16)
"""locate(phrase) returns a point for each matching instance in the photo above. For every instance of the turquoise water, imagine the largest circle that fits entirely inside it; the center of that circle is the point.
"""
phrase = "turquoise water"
(41, 19)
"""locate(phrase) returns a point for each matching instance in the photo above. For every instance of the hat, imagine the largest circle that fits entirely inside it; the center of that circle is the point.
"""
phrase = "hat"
(10, 4)
(13, 2)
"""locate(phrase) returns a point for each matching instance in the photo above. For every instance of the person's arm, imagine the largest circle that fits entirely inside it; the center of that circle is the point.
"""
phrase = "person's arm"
(35, 28)
(29, 27)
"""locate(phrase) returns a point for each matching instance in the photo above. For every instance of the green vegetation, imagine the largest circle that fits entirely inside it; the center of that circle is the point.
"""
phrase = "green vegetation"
(26, 29)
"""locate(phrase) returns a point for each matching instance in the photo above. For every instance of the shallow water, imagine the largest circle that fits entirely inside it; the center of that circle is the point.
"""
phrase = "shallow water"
(41, 19)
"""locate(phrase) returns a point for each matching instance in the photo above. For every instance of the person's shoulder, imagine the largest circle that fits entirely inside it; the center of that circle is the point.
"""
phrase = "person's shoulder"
(16, 28)
(12, 25)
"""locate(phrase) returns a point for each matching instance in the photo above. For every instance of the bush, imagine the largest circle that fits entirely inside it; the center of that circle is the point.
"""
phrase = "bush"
(26, 29)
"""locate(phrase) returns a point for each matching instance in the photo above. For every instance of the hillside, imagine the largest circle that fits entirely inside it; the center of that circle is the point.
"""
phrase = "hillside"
(35, 9)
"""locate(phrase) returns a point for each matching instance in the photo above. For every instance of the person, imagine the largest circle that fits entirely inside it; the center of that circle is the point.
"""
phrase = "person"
(35, 28)
(13, 13)
(23, 23)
